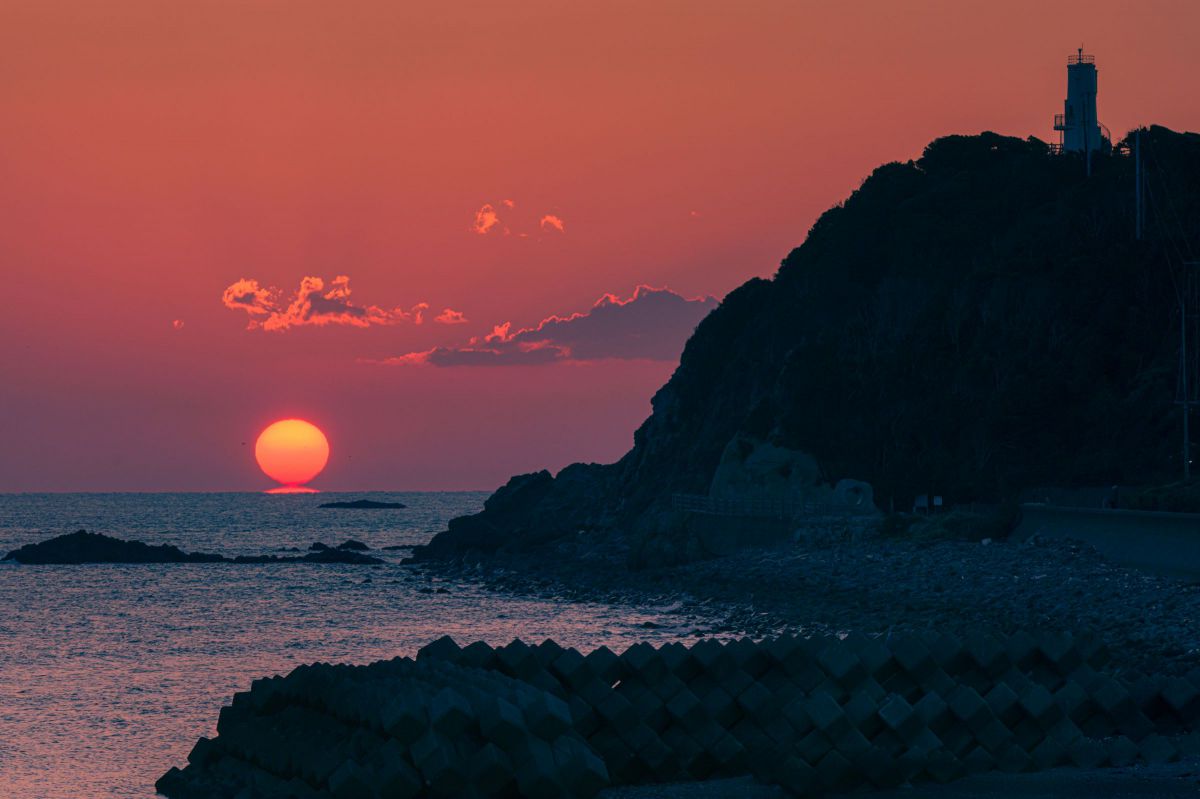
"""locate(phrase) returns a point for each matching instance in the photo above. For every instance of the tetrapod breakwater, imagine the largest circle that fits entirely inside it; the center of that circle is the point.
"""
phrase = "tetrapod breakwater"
(813, 715)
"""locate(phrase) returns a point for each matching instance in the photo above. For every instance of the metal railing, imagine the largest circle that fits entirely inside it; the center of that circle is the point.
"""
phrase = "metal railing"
(1081, 58)
(783, 508)
(1060, 121)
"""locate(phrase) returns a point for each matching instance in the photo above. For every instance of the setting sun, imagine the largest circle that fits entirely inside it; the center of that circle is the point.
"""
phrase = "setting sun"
(292, 452)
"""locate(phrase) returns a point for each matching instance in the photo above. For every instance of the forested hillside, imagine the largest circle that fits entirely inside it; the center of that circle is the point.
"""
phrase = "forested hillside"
(972, 323)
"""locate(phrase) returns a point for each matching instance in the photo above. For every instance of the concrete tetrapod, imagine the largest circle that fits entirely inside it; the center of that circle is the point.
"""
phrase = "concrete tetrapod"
(810, 714)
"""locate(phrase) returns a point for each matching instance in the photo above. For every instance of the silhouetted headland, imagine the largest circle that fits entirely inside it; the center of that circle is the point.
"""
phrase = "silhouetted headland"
(973, 324)
(84, 547)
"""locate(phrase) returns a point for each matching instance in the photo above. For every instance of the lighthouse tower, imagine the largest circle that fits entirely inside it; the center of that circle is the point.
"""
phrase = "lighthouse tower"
(1079, 130)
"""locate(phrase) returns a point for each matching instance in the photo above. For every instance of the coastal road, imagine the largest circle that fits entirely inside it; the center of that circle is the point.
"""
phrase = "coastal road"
(1170, 781)
(1166, 544)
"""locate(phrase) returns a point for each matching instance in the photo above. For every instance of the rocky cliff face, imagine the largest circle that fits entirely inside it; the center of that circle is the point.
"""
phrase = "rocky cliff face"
(971, 323)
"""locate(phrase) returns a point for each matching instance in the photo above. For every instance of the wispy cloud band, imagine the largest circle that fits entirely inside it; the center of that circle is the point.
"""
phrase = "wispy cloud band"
(651, 324)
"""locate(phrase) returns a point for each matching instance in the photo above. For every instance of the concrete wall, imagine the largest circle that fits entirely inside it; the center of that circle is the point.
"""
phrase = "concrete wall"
(1162, 543)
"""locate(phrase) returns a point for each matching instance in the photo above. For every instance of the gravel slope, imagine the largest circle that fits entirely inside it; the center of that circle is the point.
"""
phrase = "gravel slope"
(1150, 623)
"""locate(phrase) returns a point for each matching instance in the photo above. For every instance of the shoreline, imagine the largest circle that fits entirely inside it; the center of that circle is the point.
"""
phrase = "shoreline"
(876, 587)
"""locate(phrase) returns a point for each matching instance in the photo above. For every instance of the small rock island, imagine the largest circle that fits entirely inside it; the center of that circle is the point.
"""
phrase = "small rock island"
(363, 504)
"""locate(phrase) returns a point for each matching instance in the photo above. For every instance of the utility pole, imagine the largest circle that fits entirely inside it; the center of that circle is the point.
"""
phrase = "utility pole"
(1186, 401)
(1137, 186)
(1187, 288)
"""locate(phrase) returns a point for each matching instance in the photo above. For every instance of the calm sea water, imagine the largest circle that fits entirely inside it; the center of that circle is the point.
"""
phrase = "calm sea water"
(109, 673)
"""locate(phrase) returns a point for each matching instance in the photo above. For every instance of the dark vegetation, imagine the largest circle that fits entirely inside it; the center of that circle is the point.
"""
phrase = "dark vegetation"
(959, 524)
(971, 324)
(1174, 497)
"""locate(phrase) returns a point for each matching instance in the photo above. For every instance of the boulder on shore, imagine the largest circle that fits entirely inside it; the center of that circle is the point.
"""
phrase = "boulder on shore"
(751, 468)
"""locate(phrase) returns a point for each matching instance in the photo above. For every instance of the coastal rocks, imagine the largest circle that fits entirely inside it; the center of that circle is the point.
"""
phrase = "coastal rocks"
(530, 511)
(362, 504)
(761, 495)
(463, 535)
(328, 556)
(84, 547)
(665, 537)
(536, 510)
(349, 544)
(505, 510)
(759, 473)
(751, 468)
(854, 494)
(519, 494)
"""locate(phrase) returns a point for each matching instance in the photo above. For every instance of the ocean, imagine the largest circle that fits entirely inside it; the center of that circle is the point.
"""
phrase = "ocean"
(109, 673)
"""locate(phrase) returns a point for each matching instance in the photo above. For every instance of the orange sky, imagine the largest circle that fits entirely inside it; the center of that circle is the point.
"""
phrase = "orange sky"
(152, 154)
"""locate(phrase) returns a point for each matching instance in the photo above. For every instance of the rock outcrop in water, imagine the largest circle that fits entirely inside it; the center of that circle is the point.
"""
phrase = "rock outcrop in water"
(968, 324)
(84, 547)
(338, 555)
(348, 544)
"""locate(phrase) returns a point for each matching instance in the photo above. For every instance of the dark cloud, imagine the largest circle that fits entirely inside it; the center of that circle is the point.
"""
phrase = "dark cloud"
(652, 324)
(479, 356)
